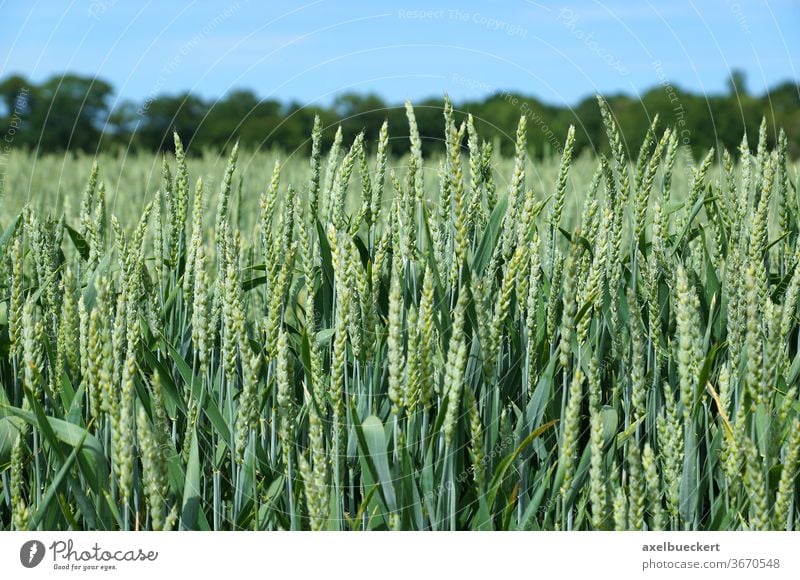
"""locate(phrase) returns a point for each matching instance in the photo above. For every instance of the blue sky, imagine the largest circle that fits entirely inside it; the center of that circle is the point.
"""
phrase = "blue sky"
(310, 51)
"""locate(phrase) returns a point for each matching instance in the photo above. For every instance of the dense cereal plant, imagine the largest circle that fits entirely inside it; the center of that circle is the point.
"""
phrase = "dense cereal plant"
(613, 347)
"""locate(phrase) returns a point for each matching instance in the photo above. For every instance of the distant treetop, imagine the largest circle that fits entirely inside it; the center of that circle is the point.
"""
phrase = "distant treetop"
(72, 112)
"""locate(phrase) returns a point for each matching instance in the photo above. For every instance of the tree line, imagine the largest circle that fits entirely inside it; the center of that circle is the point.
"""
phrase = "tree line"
(70, 112)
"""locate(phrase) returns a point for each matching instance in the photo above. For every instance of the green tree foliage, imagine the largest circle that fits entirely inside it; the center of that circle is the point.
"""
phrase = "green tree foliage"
(71, 112)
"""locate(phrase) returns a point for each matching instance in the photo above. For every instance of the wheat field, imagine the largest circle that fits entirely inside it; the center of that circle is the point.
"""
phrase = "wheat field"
(352, 341)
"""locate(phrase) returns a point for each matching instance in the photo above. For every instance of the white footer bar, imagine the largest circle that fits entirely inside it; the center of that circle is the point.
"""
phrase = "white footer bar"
(401, 555)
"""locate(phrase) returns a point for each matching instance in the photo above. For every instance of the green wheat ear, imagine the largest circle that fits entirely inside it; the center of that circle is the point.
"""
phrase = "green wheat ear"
(576, 342)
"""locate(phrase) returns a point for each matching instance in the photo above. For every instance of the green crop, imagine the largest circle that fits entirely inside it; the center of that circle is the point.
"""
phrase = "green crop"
(359, 342)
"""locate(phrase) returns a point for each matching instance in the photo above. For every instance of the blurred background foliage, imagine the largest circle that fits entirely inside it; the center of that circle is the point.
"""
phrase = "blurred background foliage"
(79, 113)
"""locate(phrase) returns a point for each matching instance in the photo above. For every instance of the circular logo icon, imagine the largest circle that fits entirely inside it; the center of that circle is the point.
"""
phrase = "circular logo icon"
(31, 553)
